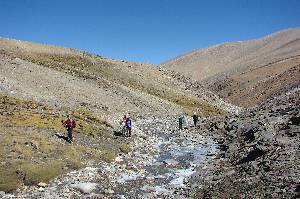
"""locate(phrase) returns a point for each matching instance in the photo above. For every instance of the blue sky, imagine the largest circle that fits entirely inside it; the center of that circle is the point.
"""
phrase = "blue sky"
(150, 31)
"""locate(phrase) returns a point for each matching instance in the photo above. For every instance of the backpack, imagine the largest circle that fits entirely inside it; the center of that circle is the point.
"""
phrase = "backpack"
(181, 119)
(71, 123)
(195, 117)
(128, 122)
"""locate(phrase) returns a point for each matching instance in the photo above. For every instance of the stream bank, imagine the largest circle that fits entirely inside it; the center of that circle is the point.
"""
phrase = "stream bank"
(160, 163)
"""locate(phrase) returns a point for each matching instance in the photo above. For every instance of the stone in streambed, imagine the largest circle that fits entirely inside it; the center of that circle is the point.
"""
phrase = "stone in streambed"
(170, 162)
(109, 191)
(42, 184)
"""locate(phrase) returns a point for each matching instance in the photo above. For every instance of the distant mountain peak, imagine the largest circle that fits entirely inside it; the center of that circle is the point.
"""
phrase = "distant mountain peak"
(221, 66)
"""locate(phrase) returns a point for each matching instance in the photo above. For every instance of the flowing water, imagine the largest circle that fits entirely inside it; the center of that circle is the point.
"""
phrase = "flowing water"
(180, 153)
(162, 160)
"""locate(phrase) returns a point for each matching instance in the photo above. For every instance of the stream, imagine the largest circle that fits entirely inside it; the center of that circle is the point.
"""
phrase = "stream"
(161, 161)
(179, 155)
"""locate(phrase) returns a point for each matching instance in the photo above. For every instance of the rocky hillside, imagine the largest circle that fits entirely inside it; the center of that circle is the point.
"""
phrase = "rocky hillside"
(240, 71)
(68, 77)
(259, 153)
(41, 84)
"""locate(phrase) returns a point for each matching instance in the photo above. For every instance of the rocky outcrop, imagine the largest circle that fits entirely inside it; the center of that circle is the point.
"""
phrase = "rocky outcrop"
(259, 152)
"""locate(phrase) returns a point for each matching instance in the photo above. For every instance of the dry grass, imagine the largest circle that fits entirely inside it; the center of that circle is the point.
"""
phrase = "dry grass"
(29, 151)
(140, 78)
(125, 148)
(30, 157)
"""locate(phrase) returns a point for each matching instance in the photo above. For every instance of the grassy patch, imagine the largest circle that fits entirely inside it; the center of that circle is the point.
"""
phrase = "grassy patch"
(43, 172)
(58, 61)
(46, 121)
(125, 148)
(30, 152)
(30, 157)
(108, 156)
(9, 180)
(84, 67)
(85, 115)
(22, 113)
(190, 104)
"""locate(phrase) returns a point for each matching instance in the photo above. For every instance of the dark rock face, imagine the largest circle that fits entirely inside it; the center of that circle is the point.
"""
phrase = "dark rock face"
(252, 155)
(261, 146)
(295, 120)
(249, 135)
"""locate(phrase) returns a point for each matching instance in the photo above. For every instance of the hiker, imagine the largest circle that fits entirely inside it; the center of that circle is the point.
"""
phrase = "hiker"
(128, 125)
(123, 125)
(70, 124)
(181, 121)
(195, 119)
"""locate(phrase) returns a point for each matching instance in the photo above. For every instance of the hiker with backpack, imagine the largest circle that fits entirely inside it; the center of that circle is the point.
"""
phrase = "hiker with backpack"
(123, 125)
(195, 118)
(181, 120)
(70, 124)
(128, 125)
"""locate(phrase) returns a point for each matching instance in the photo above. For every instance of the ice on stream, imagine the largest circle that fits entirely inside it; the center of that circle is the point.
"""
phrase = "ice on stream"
(178, 158)
(128, 177)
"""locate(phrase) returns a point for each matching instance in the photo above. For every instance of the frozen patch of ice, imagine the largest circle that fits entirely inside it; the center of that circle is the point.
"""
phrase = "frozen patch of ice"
(181, 174)
(177, 182)
(161, 190)
(125, 178)
(148, 188)
(159, 177)
(161, 142)
(156, 163)
(157, 189)
(91, 169)
(85, 187)
(170, 162)
(185, 172)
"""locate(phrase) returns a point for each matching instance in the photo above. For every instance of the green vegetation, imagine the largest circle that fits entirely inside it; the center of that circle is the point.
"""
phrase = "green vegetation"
(41, 172)
(83, 114)
(125, 148)
(30, 152)
(189, 104)
(108, 156)
(57, 61)
(29, 156)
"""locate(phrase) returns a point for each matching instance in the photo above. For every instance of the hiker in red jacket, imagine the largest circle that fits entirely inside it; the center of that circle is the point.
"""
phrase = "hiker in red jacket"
(70, 124)
(123, 125)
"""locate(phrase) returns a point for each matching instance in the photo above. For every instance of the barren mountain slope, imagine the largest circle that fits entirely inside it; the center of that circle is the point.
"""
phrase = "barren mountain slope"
(254, 86)
(68, 77)
(222, 68)
(40, 85)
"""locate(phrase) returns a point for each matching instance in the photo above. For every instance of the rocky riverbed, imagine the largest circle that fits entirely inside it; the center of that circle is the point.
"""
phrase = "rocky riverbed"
(259, 153)
(161, 161)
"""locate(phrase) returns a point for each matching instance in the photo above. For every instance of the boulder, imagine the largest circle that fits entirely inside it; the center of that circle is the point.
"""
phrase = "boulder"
(42, 184)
